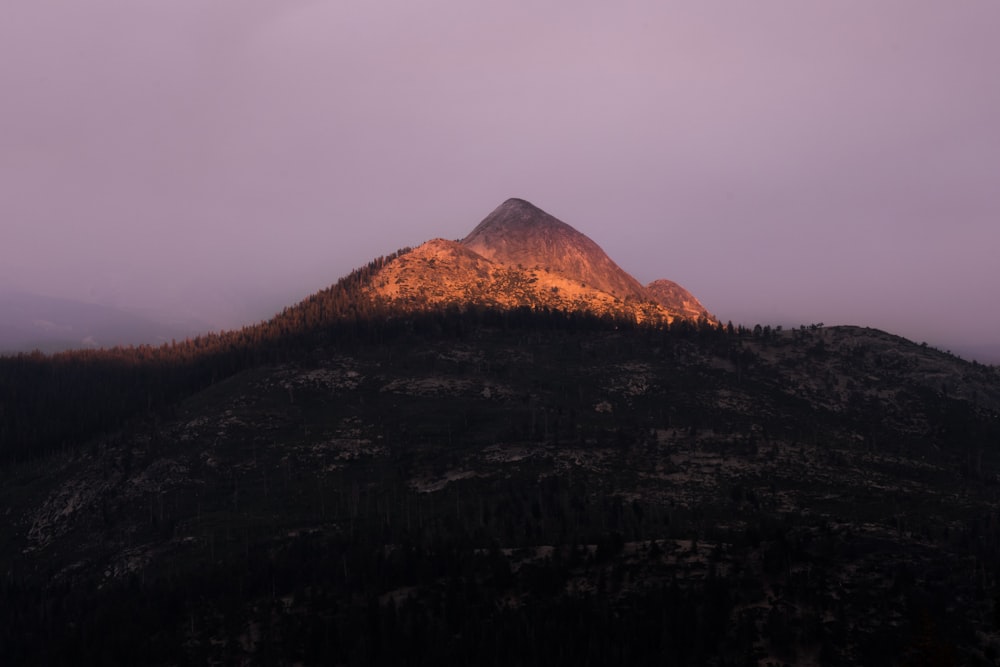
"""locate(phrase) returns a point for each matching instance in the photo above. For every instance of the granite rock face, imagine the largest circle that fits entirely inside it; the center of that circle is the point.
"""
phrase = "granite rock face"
(519, 255)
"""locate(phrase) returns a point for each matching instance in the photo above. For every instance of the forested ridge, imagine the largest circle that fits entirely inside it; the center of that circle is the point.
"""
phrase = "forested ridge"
(52, 402)
(526, 487)
(353, 484)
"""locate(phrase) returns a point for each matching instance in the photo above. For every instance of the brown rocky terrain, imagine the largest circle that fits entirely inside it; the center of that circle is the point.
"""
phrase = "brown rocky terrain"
(519, 255)
(670, 295)
(518, 233)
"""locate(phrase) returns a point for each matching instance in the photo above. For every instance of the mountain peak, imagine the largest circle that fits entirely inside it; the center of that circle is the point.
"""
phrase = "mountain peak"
(519, 255)
(516, 203)
(518, 233)
(515, 216)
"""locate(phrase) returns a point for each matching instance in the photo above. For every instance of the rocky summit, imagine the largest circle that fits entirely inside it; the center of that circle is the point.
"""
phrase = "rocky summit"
(518, 233)
(519, 255)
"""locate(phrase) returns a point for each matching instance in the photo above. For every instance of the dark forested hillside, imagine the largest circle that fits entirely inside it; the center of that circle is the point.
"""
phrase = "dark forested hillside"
(343, 485)
(50, 403)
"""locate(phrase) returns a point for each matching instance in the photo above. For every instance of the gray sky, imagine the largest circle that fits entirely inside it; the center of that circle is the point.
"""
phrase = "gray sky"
(787, 161)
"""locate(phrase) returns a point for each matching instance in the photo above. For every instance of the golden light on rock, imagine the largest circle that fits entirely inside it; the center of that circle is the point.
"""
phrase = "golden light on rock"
(521, 256)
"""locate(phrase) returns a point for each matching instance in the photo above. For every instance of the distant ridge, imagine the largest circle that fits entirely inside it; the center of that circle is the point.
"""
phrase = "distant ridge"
(519, 255)
(48, 324)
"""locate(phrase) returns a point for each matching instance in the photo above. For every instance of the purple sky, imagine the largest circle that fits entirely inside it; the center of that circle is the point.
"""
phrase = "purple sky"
(788, 162)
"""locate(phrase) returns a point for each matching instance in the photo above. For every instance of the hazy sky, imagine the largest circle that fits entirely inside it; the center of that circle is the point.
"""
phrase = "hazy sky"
(786, 161)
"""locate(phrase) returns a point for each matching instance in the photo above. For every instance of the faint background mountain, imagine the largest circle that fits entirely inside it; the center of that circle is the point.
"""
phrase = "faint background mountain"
(984, 353)
(34, 322)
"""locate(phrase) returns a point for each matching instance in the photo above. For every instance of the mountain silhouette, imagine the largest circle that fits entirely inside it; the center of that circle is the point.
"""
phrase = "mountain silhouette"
(31, 321)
